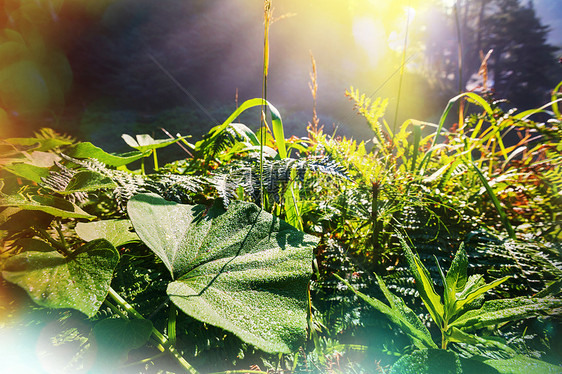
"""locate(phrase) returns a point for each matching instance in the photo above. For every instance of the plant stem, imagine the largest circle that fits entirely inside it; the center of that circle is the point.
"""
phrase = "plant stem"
(57, 227)
(161, 339)
(267, 14)
(155, 160)
(459, 56)
(459, 46)
(375, 216)
(58, 245)
(143, 361)
(173, 312)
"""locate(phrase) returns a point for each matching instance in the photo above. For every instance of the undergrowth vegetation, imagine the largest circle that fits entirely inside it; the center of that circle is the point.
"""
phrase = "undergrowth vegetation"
(244, 255)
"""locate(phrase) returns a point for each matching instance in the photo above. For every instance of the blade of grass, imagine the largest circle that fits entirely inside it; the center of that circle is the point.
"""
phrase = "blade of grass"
(495, 201)
(470, 95)
(417, 136)
(555, 102)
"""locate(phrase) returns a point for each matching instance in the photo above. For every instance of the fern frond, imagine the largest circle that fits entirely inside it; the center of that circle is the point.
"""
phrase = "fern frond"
(373, 111)
(226, 182)
(276, 176)
(170, 186)
(46, 133)
(58, 181)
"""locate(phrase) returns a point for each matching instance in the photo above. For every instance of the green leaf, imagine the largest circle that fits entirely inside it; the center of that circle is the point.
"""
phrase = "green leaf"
(424, 285)
(495, 201)
(80, 282)
(243, 270)
(245, 132)
(470, 95)
(399, 313)
(278, 132)
(36, 245)
(456, 275)
(494, 312)
(40, 144)
(88, 150)
(456, 335)
(46, 203)
(117, 232)
(473, 282)
(438, 361)
(468, 297)
(277, 125)
(14, 219)
(115, 338)
(523, 365)
(291, 204)
(554, 288)
(27, 171)
(86, 181)
(145, 142)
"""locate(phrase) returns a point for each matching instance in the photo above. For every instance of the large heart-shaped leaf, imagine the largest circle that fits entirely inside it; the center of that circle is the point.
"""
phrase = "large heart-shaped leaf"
(243, 270)
(116, 231)
(52, 280)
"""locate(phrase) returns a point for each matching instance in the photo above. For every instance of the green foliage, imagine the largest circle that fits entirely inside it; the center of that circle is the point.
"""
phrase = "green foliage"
(373, 111)
(118, 232)
(27, 171)
(278, 176)
(225, 283)
(399, 313)
(32, 199)
(243, 270)
(461, 308)
(145, 142)
(521, 364)
(88, 150)
(429, 361)
(219, 137)
(79, 280)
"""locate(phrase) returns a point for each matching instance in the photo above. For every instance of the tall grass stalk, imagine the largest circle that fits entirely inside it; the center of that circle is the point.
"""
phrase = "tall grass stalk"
(313, 86)
(267, 15)
(459, 57)
(555, 95)
(402, 65)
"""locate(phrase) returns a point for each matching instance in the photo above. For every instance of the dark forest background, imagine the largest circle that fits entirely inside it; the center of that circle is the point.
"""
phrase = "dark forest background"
(107, 64)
